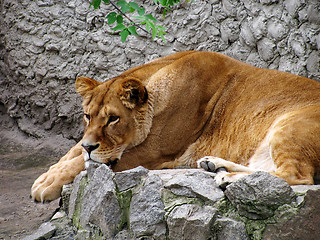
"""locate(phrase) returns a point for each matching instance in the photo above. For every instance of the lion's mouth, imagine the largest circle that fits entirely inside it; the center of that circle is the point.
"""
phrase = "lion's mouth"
(110, 163)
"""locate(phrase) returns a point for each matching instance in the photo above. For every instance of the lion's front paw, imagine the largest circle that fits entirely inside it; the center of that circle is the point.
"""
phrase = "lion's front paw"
(211, 164)
(49, 185)
(223, 179)
(216, 165)
(46, 188)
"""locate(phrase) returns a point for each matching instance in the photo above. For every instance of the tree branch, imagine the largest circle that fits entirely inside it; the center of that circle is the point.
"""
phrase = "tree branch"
(116, 7)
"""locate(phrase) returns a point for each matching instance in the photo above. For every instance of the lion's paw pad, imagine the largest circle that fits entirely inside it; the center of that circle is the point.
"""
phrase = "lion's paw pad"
(209, 164)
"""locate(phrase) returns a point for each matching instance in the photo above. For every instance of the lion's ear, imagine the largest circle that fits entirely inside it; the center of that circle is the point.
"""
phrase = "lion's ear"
(132, 93)
(85, 84)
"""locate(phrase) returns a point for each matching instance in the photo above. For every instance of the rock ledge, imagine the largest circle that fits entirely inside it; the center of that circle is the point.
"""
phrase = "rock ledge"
(183, 204)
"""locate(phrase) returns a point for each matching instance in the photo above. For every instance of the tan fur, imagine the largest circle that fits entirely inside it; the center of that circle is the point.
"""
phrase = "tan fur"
(183, 107)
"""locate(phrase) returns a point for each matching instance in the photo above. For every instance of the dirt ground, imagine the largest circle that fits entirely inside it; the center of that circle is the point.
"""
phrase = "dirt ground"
(20, 165)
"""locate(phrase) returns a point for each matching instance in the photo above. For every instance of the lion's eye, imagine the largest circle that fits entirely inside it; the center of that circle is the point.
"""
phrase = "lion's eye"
(113, 119)
(87, 116)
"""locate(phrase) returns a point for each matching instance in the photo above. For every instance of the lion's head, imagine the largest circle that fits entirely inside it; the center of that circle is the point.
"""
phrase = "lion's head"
(115, 117)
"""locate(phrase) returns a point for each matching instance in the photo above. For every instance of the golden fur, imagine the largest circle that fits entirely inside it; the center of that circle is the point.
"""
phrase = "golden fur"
(181, 108)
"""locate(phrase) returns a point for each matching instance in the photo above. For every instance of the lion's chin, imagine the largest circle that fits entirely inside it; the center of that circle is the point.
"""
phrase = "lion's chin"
(110, 162)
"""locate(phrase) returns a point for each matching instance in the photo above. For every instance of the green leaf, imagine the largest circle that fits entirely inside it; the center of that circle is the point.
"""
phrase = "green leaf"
(141, 18)
(164, 13)
(161, 28)
(119, 19)
(161, 33)
(134, 5)
(170, 2)
(121, 3)
(119, 27)
(154, 33)
(141, 11)
(106, 1)
(148, 26)
(112, 17)
(124, 34)
(125, 7)
(149, 16)
(95, 4)
(132, 30)
(151, 24)
(163, 2)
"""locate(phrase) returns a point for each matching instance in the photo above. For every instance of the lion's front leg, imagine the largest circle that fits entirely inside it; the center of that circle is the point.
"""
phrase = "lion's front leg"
(227, 172)
(48, 186)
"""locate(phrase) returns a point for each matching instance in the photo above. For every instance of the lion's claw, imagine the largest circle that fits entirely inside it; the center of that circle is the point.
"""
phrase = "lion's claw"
(45, 188)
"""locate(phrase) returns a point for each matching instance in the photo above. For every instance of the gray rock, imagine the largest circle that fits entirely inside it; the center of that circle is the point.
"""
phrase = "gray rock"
(229, 229)
(259, 26)
(91, 167)
(266, 49)
(130, 178)
(83, 234)
(277, 29)
(99, 205)
(305, 188)
(45, 231)
(147, 210)
(230, 30)
(190, 221)
(195, 184)
(314, 12)
(258, 195)
(75, 193)
(65, 197)
(296, 42)
(292, 6)
(304, 225)
(313, 62)
(247, 35)
(124, 235)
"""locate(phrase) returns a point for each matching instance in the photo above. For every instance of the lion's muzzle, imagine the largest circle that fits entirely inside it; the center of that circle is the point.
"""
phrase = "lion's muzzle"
(90, 147)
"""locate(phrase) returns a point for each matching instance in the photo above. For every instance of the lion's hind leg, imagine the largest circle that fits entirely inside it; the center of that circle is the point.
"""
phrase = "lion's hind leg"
(295, 146)
(291, 151)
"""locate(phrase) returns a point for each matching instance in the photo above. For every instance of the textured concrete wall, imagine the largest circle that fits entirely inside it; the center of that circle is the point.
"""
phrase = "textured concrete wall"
(46, 44)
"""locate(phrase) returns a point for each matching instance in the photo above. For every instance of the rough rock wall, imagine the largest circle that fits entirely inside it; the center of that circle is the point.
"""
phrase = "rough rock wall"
(46, 44)
(182, 204)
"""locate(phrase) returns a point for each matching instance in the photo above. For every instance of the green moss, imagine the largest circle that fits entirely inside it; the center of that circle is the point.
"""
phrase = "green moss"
(171, 200)
(92, 232)
(95, 233)
(124, 199)
(255, 228)
(76, 215)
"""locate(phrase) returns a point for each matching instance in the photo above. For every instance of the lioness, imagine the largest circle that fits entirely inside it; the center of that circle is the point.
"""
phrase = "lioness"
(181, 108)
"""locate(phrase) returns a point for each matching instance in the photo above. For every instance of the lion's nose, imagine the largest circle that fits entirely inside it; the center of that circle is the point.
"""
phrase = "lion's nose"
(90, 147)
